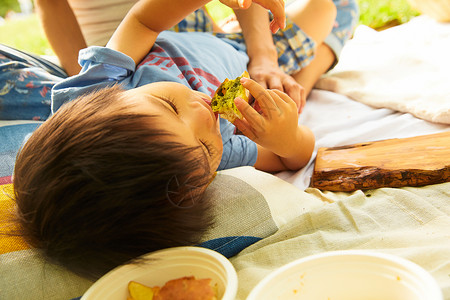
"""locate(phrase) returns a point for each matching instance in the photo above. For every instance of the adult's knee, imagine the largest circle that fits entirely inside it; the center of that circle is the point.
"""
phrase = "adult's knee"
(328, 11)
(315, 17)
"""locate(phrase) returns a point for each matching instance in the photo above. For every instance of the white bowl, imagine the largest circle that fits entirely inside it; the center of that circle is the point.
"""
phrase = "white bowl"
(165, 265)
(349, 275)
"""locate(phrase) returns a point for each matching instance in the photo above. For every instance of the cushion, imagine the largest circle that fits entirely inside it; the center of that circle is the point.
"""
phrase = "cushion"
(8, 243)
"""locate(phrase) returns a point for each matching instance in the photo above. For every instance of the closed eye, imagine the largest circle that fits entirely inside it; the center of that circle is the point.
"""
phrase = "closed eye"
(171, 104)
(206, 147)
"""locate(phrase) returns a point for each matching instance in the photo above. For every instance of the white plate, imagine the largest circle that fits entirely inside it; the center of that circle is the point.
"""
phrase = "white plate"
(348, 275)
(165, 265)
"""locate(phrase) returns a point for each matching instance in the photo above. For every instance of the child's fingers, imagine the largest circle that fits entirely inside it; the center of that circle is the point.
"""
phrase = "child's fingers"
(249, 113)
(261, 95)
(282, 102)
(245, 128)
(283, 96)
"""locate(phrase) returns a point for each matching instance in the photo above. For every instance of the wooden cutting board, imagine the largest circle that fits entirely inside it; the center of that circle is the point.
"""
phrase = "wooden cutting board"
(415, 161)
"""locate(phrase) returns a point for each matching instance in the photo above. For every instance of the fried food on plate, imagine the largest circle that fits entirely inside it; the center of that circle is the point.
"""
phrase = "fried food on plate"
(183, 288)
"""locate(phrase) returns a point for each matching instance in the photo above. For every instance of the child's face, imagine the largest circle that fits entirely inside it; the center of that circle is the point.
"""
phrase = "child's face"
(184, 112)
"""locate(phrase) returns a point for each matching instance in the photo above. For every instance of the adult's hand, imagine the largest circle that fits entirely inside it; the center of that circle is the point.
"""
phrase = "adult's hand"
(275, 6)
(270, 76)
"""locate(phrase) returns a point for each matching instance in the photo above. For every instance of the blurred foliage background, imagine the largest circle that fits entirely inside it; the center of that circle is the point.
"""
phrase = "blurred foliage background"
(8, 5)
(380, 14)
(23, 31)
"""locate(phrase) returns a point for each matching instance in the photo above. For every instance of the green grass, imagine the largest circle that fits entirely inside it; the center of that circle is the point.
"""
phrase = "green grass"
(379, 14)
(217, 10)
(26, 33)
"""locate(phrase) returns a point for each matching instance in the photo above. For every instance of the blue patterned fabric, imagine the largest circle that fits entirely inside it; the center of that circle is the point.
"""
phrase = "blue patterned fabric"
(25, 84)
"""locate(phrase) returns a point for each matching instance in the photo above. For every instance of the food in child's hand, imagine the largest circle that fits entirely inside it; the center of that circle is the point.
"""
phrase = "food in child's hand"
(176, 289)
(223, 100)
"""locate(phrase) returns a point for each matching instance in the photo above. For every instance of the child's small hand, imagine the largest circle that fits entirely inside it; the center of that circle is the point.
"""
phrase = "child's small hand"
(276, 128)
(275, 6)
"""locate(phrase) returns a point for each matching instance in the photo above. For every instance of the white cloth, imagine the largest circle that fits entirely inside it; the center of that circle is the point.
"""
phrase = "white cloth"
(98, 19)
(404, 68)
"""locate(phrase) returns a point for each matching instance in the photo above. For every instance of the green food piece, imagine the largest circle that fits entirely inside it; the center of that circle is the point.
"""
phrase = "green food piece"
(223, 100)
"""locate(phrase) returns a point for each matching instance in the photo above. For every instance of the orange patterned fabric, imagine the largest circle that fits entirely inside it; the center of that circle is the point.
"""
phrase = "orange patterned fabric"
(8, 243)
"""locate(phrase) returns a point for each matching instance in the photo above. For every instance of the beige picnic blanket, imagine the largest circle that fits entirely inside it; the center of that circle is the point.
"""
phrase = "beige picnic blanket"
(404, 68)
(412, 223)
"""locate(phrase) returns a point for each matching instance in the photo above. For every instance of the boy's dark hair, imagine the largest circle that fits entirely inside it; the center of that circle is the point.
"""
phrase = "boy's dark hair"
(97, 185)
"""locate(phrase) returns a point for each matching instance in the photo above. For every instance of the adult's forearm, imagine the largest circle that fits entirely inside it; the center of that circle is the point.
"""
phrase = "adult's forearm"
(62, 31)
(258, 37)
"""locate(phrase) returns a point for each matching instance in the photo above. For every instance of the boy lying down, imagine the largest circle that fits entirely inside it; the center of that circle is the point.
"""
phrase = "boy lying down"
(120, 168)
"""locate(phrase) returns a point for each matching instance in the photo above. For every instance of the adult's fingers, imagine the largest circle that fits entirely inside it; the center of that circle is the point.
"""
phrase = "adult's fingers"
(275, 83)
(303, 102)
(278, 11)
(237, 4)
(294, 90)
(275, 6)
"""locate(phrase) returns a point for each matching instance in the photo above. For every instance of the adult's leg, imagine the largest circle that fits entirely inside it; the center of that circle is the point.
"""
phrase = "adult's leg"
(323, 59)
(316, 18)
(328, 49)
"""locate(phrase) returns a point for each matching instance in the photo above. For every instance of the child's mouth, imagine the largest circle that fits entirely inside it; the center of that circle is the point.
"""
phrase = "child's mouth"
(208, 101)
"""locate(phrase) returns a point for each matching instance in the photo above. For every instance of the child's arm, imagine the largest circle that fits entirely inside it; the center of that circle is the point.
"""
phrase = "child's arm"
(282, 143)
(138, 31)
